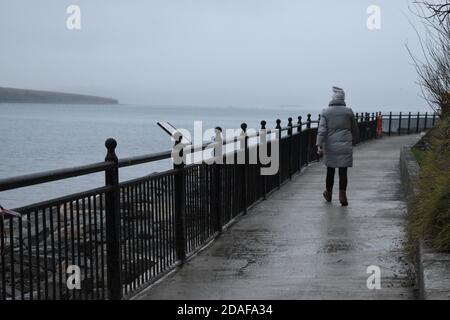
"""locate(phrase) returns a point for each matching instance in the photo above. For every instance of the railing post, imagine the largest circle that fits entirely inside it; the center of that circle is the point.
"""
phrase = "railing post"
(425, 124)
(409, 122)
(364, 125)
(314, 141)
(179, 194)
(357, 123)
(363, 128)
(390, 123)
(434, 119)
(300, 147)
(264, 177)
(367, 126)
(290, 146)
(399, 123)
(418, 122)
(374, 125)
(308, 147)
(218, 162)
(278, 127)
(112, 214)
(246, 160)
(375, 130)
(299, 122)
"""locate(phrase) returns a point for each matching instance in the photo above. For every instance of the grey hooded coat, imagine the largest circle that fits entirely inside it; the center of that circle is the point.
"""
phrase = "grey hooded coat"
(337, 130)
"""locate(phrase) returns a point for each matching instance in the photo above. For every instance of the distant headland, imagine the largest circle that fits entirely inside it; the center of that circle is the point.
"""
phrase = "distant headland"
(12, 95)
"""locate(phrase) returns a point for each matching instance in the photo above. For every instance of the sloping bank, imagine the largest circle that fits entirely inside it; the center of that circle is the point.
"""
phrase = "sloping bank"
(427, 187)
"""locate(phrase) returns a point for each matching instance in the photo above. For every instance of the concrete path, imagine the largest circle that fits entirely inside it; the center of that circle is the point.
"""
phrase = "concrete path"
(296, 246)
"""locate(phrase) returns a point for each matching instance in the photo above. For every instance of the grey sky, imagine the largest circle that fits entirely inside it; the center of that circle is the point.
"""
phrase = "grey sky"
(212, 52)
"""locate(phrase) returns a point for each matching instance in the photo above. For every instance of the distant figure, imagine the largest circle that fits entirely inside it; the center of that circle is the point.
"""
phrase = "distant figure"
(337, 129)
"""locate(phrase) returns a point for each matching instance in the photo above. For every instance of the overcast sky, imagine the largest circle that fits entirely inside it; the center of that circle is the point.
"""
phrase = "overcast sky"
(212, 52)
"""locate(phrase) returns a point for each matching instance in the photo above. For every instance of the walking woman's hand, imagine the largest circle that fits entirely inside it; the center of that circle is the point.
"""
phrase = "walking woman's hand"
(319, 151)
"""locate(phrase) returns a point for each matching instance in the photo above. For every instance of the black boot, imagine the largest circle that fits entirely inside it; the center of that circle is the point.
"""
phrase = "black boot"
(327, 195)
(343, 198)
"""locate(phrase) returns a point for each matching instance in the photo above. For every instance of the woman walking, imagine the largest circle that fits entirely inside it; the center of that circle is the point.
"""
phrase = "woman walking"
(337, 131)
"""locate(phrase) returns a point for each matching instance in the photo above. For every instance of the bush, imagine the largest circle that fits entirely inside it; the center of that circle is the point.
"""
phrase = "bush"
(430, 216)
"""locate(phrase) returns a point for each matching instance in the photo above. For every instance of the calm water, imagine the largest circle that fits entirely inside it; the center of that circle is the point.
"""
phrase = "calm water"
(37, 137)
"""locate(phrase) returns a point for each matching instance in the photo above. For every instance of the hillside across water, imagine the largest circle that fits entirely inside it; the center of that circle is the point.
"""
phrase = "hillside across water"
(11, 95)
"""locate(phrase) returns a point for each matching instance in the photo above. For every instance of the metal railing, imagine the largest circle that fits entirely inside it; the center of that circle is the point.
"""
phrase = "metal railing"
(126, 235)
(408, 123)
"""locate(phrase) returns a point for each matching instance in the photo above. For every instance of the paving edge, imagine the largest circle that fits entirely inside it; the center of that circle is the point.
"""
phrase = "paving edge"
(431, 268)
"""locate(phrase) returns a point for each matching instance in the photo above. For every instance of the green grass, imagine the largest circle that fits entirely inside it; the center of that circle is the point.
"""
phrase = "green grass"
(419, 154)
(430, 216)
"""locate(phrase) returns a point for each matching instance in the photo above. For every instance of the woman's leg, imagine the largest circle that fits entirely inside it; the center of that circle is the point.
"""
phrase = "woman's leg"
(343, 186)
(343, 179)
(330, 179)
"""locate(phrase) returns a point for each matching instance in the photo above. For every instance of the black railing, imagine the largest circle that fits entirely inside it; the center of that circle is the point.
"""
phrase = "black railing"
(126, 235)
(408, 123)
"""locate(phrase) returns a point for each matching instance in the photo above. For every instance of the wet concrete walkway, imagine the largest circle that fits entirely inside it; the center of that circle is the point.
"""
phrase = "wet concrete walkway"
(294, 245)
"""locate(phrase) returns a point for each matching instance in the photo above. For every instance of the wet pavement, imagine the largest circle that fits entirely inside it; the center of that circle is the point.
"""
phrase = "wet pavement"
(294, 245)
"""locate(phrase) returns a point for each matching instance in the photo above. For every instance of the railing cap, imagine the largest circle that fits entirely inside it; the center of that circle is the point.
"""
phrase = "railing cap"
(111, 145)
(263, 124)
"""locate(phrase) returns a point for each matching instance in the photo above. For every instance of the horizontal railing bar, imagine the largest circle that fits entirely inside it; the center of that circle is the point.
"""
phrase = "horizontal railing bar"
(225, 156)
(64, 199)
(406, 117)
(154, 175)
(131, 161)
(196, 148)
(406, 114)
(52, 175)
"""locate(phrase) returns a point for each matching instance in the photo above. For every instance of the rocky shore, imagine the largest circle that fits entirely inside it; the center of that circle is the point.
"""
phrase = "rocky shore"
(37, 248)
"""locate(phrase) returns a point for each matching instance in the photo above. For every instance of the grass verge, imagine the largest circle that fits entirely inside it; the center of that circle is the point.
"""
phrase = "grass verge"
(430, 217)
